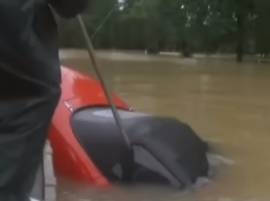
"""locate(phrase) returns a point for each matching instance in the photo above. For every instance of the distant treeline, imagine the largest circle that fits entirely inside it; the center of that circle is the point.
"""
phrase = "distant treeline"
(187, 26)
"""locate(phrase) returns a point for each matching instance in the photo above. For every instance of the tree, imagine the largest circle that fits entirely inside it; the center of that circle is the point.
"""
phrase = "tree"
(243, 9)
(175, 25)
(217, 20)
(262, 29)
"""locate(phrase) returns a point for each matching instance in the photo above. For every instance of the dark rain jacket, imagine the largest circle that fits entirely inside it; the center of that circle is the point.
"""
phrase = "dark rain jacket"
(29, 87)
(28, 42)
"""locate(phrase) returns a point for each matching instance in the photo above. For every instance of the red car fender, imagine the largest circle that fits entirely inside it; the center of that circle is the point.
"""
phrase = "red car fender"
(70, 160)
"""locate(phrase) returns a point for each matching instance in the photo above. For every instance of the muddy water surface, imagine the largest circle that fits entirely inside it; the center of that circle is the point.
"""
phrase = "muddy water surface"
(227, 104)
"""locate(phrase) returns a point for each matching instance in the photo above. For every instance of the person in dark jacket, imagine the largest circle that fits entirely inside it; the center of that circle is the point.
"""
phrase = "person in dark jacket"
(30, 81)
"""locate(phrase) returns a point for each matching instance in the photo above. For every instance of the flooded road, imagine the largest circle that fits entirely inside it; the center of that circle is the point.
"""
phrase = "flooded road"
(227, 104)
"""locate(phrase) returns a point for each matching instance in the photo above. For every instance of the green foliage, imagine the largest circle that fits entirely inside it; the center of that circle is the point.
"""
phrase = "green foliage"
(261, 27)
(175, 25)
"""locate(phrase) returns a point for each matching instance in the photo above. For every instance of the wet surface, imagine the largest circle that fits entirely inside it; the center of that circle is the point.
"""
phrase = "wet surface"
(227, 104)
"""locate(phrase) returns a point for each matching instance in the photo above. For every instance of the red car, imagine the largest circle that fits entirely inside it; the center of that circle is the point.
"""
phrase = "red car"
(88, 148)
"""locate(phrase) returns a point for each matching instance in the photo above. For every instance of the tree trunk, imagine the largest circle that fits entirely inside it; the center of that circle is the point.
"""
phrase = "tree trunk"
(186, 51)
(240, 37)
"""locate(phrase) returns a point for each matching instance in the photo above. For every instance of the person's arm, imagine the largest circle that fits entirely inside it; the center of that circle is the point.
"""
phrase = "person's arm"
(68, 8)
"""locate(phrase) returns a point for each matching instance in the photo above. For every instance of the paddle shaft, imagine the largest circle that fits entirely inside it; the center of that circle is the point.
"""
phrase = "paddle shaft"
(92, 56)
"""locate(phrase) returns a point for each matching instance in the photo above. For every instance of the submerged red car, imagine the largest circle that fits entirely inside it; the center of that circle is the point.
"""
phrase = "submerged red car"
(88, 148)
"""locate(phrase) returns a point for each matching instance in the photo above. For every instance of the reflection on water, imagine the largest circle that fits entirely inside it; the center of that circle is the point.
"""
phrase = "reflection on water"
(226, 103)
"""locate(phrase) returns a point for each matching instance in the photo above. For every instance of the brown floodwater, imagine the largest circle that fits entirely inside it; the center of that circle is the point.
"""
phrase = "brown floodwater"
(227, 104)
